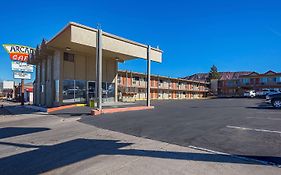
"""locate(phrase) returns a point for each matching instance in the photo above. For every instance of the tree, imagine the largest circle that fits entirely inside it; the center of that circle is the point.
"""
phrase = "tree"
(213, 74)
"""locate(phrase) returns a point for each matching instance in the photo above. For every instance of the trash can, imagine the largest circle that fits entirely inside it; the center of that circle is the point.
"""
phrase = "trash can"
(92, 103)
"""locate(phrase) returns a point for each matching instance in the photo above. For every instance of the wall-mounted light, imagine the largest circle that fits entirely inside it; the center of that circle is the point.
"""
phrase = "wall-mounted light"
(68, 49)
(119, 59)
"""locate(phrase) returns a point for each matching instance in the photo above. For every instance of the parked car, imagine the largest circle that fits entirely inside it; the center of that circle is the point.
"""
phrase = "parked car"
(266, 92)
(250, 93)
(263, 92)
(274, 99)
(273, 91)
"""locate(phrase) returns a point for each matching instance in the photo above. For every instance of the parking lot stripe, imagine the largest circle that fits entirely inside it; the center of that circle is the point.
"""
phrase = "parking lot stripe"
(234, 156)
(269, 118)
(253, 129)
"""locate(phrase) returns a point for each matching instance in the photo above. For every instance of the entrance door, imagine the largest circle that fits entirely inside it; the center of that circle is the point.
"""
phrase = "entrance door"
(91, 90)
(108, 91)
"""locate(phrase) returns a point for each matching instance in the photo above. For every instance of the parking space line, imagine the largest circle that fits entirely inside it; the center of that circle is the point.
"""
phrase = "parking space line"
(234, 156)
(253, 129)
(269, 118)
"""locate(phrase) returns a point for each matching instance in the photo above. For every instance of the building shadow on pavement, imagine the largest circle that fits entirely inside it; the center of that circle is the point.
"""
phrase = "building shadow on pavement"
(263, 106)
(17, 131)
(16, 110)
(46, 158)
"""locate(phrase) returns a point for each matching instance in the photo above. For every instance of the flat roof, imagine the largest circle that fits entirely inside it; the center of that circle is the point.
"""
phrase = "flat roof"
(74, 34)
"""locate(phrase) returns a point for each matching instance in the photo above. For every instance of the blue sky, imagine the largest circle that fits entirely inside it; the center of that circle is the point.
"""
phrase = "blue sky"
(240, 35)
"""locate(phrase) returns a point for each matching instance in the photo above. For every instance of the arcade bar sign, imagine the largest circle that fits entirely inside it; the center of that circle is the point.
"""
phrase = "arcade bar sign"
(18, 52)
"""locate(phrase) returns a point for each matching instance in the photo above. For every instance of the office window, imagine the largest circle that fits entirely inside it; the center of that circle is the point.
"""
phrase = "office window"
(68, 91)
(74, 91)
(110, 90)
(80, 90)
(68, 57)
(57, 88)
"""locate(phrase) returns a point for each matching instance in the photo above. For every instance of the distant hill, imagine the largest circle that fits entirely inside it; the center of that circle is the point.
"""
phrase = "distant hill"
(223, 76)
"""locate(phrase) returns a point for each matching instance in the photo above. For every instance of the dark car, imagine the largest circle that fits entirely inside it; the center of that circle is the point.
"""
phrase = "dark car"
(275, 100)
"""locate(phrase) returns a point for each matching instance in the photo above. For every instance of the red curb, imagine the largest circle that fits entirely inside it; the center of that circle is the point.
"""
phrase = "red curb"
(60, 108)
(116, 110)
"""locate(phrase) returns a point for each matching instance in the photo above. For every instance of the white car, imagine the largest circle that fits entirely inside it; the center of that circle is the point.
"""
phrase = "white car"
(250, 93)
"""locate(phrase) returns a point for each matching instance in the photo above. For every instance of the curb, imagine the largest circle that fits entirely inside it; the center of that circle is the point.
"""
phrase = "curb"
(96, 112)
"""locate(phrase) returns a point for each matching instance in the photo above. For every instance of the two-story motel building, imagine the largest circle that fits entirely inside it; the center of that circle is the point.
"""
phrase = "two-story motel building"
(132, 86)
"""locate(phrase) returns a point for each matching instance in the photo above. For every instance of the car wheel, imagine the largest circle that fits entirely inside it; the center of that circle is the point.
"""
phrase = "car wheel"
(277, 103)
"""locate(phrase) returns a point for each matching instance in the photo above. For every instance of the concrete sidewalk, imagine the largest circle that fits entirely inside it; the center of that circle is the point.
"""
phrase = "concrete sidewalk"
(48, 144)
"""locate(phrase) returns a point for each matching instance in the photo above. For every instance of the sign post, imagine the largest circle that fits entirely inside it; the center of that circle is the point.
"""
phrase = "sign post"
(19, 55)
(22, 75)
(22, 92)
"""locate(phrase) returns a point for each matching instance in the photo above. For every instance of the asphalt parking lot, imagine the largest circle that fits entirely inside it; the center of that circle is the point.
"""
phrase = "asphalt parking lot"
(245, 127)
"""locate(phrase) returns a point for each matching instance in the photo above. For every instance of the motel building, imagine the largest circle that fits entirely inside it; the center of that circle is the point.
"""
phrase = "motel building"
(81, 63)
(132, 86)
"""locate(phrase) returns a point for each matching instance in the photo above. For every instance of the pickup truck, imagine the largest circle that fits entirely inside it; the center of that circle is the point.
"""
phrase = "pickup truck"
(274, 99)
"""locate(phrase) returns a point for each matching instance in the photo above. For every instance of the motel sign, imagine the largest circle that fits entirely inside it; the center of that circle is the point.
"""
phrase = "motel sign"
(18, 52)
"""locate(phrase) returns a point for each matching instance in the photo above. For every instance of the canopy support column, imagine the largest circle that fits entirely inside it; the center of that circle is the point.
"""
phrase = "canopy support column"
(99, 69)
(148, 76)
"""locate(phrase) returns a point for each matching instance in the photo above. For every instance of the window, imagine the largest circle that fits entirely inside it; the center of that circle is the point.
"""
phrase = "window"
(264, 80)
(68, 91)
(246, 81)
(110, 90)
(119, 80)
(74, 91)
(68, 57)
(230, 83)
(278, 80)
(137, 78)
(80, 90)
(57, 88)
